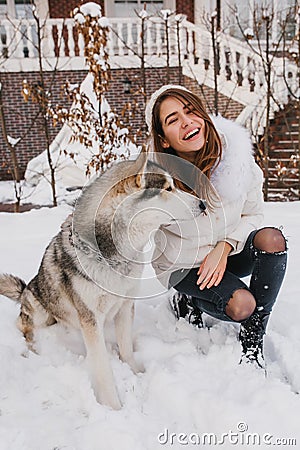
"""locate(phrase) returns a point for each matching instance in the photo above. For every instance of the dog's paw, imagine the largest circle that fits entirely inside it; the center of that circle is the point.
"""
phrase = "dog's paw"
(136, 367)
(108, 397)
(113, 403)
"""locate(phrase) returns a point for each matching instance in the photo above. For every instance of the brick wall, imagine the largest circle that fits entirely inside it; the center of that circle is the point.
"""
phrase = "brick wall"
(283, 151)
(226, 106)
(20, 115)
(186, 7)
(63, 8)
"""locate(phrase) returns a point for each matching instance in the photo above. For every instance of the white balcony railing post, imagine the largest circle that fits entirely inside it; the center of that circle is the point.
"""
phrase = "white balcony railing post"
(130, 40)
(32, 39)
(71, 43)
(60, 38)
(47, 41)
(81, 45)
(158, 38)
(16, 41)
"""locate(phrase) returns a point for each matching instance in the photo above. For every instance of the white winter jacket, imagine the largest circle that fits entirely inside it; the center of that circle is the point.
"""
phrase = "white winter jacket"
(238, 181)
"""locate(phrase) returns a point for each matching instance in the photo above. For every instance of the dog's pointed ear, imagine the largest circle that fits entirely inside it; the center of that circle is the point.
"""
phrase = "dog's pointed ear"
(140, 167)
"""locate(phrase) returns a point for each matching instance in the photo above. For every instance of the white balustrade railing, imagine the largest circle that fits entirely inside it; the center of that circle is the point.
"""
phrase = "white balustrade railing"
(18, 38)
(241, 71)
(242, 74)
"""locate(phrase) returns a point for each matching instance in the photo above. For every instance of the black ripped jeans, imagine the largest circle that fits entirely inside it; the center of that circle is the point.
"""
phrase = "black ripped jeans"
(267, 272)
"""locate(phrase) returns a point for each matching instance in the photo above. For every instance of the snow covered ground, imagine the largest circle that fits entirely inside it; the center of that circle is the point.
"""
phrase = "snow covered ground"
(192, 384)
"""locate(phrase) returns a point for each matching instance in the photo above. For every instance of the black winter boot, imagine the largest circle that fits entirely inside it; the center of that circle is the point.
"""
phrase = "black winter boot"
(251, 336)
(183, 307)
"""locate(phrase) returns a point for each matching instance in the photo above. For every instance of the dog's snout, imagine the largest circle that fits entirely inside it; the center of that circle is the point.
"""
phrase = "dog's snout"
(169, 185)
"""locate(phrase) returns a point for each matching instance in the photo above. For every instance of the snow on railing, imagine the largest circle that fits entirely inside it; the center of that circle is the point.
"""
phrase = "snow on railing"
(241, 72)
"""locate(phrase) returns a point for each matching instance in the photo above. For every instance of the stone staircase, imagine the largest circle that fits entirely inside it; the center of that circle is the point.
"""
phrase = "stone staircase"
(241, 78)
(284, 162)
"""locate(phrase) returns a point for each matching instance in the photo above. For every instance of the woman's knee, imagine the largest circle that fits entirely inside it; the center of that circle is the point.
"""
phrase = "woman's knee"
(270, 240)
(241, 305)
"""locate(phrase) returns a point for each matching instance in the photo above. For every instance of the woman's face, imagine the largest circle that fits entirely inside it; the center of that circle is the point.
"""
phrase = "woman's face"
(184, 131)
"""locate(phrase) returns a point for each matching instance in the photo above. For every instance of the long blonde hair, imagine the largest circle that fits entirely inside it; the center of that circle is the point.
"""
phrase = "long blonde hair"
(208, 156)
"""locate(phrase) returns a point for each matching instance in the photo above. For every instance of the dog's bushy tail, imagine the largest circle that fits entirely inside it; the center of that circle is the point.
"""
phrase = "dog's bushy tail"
(11, 286)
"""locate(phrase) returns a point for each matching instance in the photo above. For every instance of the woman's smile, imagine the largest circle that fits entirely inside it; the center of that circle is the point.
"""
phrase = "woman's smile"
(191, 134)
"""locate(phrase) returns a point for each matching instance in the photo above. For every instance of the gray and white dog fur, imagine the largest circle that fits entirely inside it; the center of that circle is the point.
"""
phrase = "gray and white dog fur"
(99, 250)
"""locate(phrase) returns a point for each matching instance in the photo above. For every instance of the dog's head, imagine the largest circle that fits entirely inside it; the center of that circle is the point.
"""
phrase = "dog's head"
(139, 175)
(128, 202)
(136, 191)
(145, 190)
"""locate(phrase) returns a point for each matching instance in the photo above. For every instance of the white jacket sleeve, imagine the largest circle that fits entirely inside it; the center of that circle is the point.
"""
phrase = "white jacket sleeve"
(252, 213)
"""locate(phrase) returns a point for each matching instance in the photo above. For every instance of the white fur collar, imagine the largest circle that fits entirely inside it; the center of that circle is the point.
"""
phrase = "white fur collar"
(233, 175)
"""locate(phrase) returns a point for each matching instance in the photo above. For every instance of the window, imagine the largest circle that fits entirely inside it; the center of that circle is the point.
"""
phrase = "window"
(284, 16)
(287, 16)
(3, 8)
(27, 34)
(16, 8)
(23, 9)
(243, 18)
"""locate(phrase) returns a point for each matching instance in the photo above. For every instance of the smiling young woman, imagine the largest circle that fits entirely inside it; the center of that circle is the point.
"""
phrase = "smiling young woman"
(167, 113)
(206, 268)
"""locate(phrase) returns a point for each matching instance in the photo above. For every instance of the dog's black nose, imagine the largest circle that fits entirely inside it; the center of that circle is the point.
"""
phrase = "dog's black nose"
(202, 205)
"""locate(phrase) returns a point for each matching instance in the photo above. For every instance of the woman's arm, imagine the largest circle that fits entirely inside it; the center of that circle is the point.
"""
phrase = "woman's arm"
(252, 213)
(213, 266)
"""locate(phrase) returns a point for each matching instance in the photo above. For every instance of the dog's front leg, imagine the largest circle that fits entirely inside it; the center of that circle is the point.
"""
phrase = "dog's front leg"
(98, 362)
(124, 324)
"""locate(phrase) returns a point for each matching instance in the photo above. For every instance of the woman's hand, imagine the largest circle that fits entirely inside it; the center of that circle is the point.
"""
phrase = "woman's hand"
(213, 266)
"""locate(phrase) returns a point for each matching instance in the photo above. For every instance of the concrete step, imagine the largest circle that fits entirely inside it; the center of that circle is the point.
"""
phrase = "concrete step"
(289, 146)
(282, 152)
(287, 180)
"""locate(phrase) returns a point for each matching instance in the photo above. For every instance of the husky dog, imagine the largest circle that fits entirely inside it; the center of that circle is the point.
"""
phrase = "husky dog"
(91, 269)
